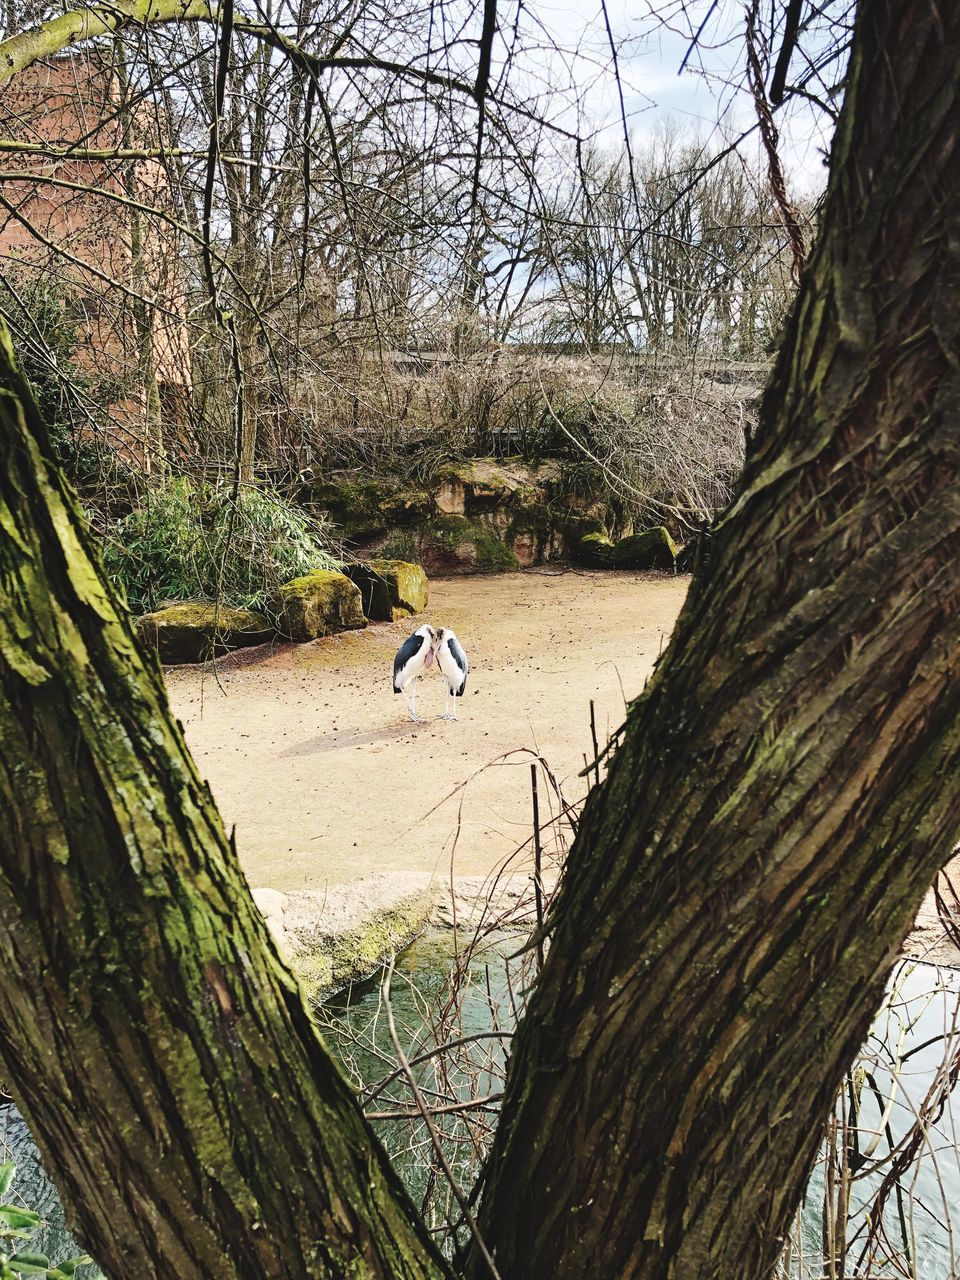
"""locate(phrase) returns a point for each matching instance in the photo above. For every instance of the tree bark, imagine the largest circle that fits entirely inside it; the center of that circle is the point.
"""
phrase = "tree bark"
(787, 785)
(155, 1042)
(782, 796)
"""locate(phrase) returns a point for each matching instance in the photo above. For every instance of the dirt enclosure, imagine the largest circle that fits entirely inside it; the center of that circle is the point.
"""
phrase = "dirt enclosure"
(311, 756)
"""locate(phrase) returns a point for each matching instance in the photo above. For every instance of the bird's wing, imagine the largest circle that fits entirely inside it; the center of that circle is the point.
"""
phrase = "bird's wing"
(409, 649)
(458, 655)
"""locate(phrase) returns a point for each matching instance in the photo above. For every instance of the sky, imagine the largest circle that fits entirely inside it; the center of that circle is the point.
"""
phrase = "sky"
(651, 52)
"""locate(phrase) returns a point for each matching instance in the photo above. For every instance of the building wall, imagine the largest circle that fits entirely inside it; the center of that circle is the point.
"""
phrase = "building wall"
(121, 267)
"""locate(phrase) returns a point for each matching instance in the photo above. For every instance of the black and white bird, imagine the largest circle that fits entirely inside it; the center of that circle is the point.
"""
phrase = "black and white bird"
(453, 665)
(414, 656)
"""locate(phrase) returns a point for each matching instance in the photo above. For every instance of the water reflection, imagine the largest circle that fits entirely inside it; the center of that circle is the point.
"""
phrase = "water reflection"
(884, 1199)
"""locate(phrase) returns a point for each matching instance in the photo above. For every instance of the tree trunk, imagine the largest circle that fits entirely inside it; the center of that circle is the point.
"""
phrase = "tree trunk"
(156, 1044)
(788, 783)
(782, 796)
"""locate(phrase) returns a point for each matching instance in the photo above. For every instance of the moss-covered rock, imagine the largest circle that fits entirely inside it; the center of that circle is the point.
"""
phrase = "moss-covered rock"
(687, 554)
(454, 544)
(653, 549)
(356, 955)
(365, 509)
(344, 933)
(533, 533)
(450, 496)
(594, 551)
(482, 485)
(390, 589)
(573, 526)
(405, 504)
(353, 507)
(197, 632)
(466, 487)
(318, 604)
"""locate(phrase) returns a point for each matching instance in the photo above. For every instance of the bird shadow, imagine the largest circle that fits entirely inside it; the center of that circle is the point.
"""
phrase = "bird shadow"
(337, 740)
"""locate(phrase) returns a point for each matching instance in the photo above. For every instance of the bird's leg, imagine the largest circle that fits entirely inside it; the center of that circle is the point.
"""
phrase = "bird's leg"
(446, 708)
(413, 695)
(453, 714)
(411, 706)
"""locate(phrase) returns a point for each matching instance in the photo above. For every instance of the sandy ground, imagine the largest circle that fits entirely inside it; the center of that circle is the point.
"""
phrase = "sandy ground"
(928, 940)
(311, 756)
(330, 787)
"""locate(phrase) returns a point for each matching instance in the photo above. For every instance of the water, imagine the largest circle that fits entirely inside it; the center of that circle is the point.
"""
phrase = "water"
(32, 1189)
(901, 1077)
(906, 1084)
(905, 1064)
(425, 1016)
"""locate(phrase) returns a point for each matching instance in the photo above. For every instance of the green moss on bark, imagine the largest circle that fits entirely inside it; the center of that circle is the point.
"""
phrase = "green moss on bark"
(185, 1060)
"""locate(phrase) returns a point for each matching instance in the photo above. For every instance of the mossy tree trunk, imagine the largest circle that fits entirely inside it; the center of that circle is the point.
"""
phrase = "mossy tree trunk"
(156, 1044)
(782, 795)
(789, 783)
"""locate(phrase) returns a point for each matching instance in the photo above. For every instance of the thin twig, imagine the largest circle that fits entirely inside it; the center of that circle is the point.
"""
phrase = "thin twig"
(537, 868)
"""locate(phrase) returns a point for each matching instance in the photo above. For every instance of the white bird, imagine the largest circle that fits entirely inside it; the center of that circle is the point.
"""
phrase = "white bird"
(453, 665)
(414, 656)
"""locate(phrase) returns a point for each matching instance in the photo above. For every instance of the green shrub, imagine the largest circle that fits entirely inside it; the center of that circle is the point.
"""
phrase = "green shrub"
(193, 542)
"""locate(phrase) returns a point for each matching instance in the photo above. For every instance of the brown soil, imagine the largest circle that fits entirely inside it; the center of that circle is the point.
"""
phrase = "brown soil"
(311, 756)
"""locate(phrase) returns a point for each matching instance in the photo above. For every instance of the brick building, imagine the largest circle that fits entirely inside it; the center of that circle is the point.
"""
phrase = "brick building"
(68, 220)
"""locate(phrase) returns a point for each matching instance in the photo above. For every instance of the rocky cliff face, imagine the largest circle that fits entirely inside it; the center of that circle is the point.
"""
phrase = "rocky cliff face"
(477, 516)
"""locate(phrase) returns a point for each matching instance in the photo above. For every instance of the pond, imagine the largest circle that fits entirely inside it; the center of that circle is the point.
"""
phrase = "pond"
(886, 1190)
(883, 1201)
(31, 1189)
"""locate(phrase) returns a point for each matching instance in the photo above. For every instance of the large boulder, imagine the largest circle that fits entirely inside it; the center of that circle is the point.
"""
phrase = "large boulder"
(594, 551)
(653, 549)
(318, 604)
(390, 589)
(197, 632)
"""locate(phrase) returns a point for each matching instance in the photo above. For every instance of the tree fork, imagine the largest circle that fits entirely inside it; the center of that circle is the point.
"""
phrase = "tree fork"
(155, 1042)
(787, 785)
